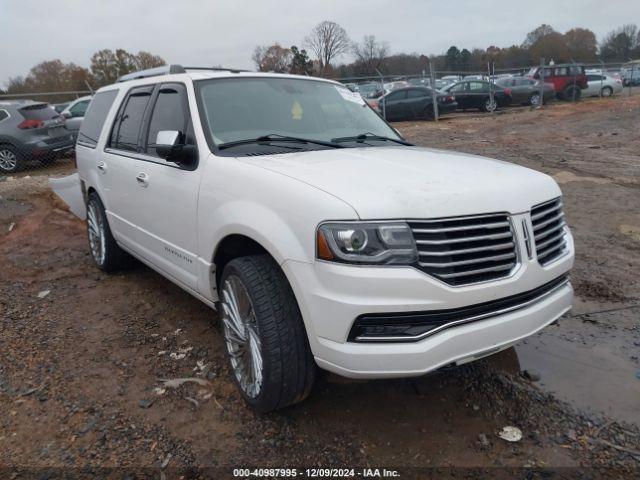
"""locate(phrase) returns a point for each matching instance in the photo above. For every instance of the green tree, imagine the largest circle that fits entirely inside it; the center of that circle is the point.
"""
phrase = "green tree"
(300, 62)
(452, 58)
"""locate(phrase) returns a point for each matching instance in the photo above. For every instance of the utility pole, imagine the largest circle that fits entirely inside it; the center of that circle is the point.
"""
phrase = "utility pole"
(434, 95)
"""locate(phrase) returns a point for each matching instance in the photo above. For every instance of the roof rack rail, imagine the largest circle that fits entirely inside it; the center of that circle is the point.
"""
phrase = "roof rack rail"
(152, 72)
(218, 69)
(170, 69)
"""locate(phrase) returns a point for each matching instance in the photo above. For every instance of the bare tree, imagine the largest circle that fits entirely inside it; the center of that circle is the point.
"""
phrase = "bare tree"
(370, 53)
(272, 58)
(328, 40)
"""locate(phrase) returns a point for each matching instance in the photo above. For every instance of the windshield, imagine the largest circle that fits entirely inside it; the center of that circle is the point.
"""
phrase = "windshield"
(248, 108)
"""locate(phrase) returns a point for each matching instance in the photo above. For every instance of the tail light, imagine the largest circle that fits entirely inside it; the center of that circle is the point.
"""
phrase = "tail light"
(451, 98)
(29, 124)
(374, 104)
(507, 91)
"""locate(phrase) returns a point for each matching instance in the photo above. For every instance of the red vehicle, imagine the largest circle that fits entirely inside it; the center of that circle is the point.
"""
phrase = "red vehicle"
(568, 79)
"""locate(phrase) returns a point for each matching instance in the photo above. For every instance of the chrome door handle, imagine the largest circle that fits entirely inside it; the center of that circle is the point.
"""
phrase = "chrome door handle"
(142, 179)
(102, 167)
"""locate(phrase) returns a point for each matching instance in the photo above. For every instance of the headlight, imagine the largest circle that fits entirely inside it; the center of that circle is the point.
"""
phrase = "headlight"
(366, 243)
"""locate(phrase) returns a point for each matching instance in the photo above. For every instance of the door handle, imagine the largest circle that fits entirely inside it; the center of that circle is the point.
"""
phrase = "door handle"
(143, 179)
(102, 167)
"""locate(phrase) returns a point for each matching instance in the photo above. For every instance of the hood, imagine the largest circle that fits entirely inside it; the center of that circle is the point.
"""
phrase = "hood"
(412, 182)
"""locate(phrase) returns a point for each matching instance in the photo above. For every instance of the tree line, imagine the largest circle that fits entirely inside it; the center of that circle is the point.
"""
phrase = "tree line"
(329, 41)
(105, 68)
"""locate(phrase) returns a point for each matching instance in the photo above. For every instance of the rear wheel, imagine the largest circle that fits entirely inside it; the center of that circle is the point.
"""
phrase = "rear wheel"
(266, 341)
(572, 93)
(105, 251)
(9, 161)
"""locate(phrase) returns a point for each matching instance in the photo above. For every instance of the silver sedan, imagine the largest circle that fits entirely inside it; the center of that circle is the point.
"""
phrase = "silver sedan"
(602, 85)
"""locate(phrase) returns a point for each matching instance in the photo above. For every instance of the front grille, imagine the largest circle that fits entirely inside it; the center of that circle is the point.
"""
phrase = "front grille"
(414, 326)
(548, 230)
(464, 250)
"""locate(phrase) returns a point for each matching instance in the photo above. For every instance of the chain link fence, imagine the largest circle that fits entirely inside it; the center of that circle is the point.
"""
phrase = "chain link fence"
(40, 129)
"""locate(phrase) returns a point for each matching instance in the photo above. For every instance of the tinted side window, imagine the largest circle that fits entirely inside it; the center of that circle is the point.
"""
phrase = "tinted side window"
(3, 115)
(126, 128)
(170, 112)
(416, 93)
(94, 118)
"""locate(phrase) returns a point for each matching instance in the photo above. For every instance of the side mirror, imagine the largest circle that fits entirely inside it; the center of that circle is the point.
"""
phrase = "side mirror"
(67, 115)
(169, 146)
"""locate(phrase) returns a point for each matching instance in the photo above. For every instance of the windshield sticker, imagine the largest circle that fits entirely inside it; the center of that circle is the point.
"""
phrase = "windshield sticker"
(296, 111)
(349, 95)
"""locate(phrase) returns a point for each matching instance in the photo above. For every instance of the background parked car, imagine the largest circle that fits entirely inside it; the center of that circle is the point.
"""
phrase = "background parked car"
(630, 75)
(59, 107)
(526, 91)
(411, 103)
(477, 94)
(568, 79)
(30, 131)
(74, 114)
(370, 90)
(602, 85)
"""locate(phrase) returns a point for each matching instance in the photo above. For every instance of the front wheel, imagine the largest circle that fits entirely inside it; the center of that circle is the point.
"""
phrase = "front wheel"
(535, 99)
(264, 333)
(572, 93)
(490, 105)
(106, 253)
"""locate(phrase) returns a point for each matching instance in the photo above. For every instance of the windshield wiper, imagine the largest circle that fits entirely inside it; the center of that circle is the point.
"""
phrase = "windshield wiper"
(274, 137)
(370, 136)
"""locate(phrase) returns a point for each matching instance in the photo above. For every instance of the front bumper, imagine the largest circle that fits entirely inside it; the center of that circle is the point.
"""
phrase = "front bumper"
(332, 296)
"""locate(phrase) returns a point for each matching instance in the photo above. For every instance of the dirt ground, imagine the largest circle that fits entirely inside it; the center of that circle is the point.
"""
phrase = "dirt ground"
(83, 355)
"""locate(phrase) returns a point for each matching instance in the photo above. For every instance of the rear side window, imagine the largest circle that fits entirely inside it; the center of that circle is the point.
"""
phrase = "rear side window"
(171, 112)
(94, 118)
(3, 115)
(126, 129)
(40, 111)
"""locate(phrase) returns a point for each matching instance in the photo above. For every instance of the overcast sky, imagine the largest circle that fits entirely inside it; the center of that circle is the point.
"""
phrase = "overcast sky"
(212, 32)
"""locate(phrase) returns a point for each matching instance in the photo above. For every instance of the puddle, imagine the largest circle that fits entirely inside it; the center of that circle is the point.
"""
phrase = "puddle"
(597, 378)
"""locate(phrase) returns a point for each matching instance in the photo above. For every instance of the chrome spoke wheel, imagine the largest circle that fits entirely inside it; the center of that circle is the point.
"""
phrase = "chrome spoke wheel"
(242, 336)
(95, 225)
(8, 160)
(491, 105)
(535, 100)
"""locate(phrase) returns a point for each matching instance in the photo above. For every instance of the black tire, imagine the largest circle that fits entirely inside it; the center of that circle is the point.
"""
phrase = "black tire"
(7, 153)
(487, 106)
(114, 258)
(535, 100)
(606, 92)
(288, 369)
(572, 93)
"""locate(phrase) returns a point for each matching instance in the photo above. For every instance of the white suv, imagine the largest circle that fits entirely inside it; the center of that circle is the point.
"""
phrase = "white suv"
(324, 237)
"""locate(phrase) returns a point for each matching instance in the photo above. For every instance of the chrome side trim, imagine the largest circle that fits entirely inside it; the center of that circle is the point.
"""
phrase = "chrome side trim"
(463, 321)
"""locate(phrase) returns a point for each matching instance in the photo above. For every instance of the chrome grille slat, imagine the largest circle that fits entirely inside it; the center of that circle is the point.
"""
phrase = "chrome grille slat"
(548, 224)
(501, 246)
(458, 229)
(466, 250)
(468, 262)
(496, 236)
(542, 213)
(499, 268)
